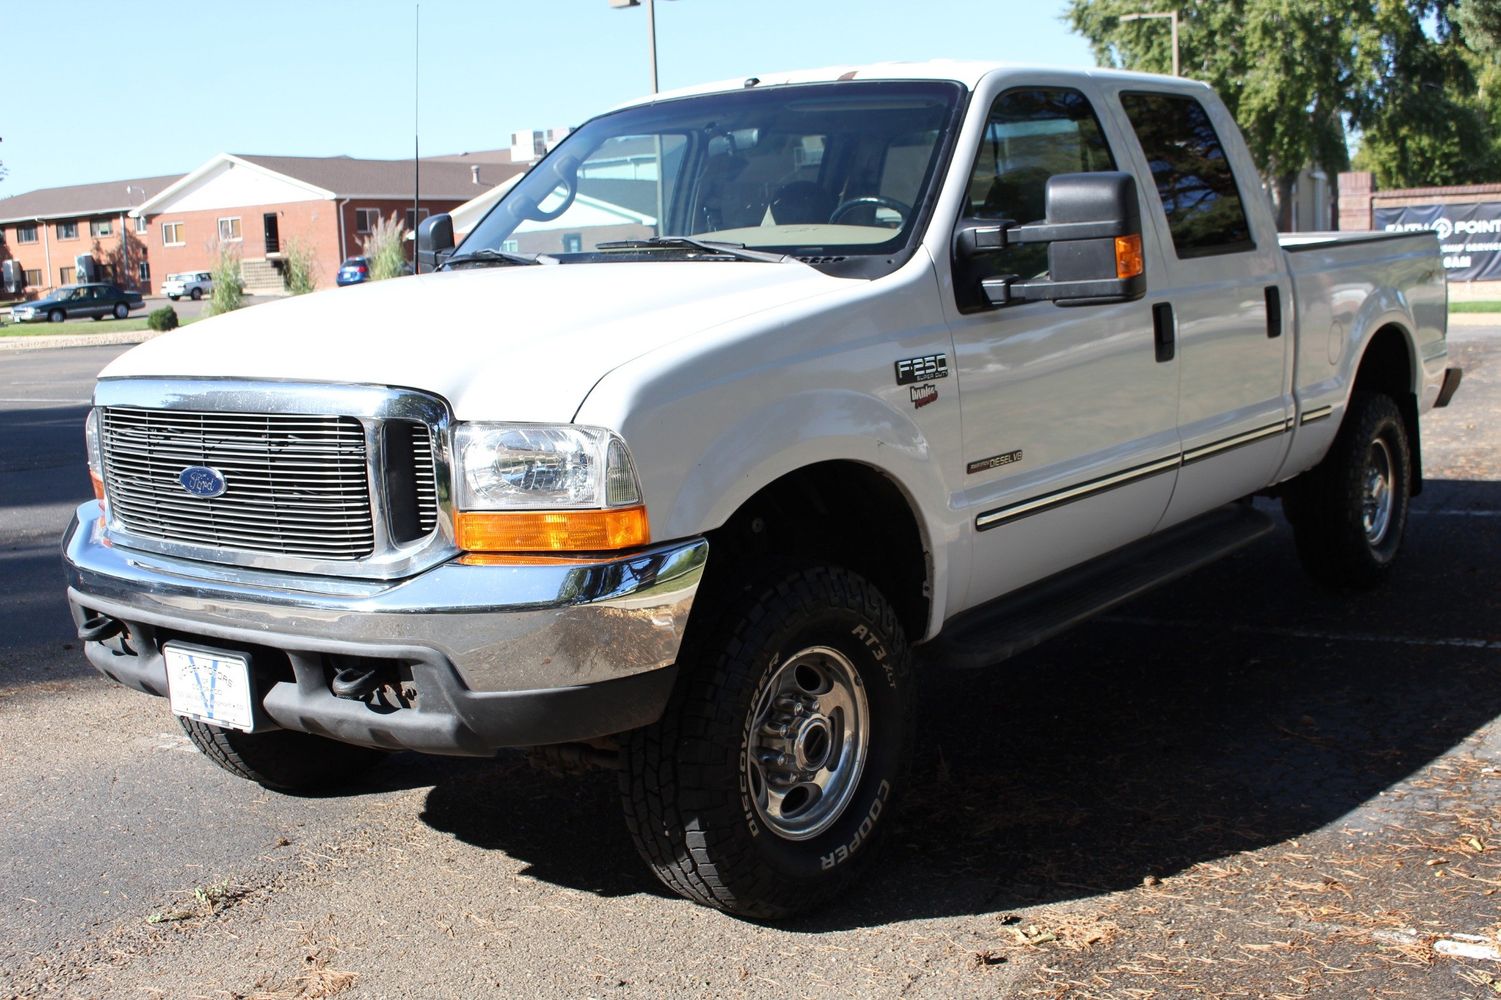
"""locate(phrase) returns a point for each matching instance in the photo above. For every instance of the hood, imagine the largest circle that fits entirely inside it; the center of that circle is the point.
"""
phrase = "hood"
(503, 343)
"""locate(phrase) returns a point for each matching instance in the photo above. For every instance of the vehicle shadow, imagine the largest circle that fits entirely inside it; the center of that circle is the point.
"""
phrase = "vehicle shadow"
(1229, 711)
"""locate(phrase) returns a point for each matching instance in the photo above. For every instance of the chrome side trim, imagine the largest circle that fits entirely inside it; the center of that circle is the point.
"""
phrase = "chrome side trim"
(1317, 413)
(1235, 441)
(503, 628)
(370, 404)
(1058, 498)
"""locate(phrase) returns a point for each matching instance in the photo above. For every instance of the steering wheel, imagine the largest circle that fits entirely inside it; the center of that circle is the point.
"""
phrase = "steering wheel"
(900, 208)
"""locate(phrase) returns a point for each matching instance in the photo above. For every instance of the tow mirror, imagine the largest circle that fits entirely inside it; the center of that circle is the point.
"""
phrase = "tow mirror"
(1093, 231)
(434, 241)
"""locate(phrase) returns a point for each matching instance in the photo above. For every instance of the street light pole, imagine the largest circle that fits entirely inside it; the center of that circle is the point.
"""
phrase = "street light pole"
(651, 31)
(1172, 16)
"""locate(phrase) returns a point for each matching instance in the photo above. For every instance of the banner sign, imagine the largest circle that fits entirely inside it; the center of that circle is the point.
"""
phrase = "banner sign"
(1469, 235)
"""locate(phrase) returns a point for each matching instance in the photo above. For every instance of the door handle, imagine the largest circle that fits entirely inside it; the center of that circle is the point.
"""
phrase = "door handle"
(1162, 331)
(1273, 312)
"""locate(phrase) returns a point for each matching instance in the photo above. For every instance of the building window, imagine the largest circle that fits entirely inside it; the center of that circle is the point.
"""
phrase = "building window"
(143, 271)
(26, 234)
(65, 275)
(33, 278)
(172, 234)
(573, 242)
(229, 230)
(365, 220)
(2, 237)
(101, 227)
(412, 219)
(67, 230)
(141, 224)
(511, 246)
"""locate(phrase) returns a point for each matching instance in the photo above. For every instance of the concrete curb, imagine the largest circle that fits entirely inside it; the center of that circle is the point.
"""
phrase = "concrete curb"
(43, 340)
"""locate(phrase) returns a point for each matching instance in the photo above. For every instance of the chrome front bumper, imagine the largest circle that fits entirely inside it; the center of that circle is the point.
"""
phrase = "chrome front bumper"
(497, 655)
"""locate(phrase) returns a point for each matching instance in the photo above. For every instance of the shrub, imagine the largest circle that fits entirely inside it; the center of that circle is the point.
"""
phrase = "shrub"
(301, 271)
(385, 249)
(164, 318)
(228, 294)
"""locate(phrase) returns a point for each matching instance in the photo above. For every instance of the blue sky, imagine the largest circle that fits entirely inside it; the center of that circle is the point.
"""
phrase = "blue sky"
(162, 86)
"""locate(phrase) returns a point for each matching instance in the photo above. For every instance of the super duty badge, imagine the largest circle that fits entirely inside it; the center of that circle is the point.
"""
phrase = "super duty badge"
(923, 369)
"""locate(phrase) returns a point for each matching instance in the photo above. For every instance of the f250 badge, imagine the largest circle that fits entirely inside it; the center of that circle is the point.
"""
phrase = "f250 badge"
(923, 369)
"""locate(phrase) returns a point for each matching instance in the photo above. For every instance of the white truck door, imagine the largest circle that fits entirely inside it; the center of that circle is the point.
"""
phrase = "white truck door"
(1069, 419)
(1230, 297)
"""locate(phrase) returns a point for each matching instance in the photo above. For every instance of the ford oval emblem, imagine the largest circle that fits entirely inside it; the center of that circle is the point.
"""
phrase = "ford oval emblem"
(201, 481)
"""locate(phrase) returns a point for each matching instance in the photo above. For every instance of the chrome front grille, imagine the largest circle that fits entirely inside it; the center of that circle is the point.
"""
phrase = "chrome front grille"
(425, 477)
(296, 484)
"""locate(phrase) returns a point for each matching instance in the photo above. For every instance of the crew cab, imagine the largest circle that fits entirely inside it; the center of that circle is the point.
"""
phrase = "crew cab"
(796, 375)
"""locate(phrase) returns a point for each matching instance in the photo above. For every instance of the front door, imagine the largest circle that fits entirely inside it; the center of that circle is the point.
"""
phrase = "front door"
(273, 234)
(1069, 418)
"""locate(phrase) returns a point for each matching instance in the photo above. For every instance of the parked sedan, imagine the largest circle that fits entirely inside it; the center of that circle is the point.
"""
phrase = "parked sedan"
(353, 271)
(76, 301)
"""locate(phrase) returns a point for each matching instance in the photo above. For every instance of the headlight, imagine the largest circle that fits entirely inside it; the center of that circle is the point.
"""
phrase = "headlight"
(534, 487)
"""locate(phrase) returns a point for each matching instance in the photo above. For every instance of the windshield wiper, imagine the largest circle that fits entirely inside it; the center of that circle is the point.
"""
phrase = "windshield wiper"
(491, 256)
(735, 250)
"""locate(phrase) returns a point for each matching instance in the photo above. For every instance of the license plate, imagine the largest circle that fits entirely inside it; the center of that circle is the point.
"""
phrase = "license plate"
(210, 685)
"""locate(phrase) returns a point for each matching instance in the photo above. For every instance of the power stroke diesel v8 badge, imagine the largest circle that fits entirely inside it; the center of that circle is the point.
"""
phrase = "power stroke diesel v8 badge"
(923, 369)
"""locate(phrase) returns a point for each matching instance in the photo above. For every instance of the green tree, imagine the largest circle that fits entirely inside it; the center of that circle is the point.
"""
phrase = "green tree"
(1297, 74)
(385, 249)
(228, 294)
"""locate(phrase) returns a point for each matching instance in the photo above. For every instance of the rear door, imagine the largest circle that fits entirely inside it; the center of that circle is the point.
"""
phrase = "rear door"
(1230, 299)
(1069, 418)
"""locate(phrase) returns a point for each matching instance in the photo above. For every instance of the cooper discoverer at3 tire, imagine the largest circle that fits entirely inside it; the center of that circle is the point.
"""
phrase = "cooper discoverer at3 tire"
(776, 768)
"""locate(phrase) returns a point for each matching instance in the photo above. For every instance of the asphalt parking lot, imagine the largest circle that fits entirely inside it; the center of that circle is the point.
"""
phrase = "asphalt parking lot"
(1237, 786)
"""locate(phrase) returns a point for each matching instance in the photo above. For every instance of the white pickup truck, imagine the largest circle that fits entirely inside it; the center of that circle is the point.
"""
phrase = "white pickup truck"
(743, 395)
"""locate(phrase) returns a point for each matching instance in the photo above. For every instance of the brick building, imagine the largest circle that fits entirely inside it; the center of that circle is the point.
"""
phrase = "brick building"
(47, 230)
(259, 204)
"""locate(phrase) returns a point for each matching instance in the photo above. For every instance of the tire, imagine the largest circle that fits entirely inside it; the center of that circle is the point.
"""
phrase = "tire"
(96, 318)
(1349, 512)
(700, 787)
(56, 316)
(121, 310)
(174, 298)
(282, 759)
(196, 294)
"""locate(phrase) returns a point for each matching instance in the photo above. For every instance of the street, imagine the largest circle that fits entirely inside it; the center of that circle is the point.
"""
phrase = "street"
(1237, 786)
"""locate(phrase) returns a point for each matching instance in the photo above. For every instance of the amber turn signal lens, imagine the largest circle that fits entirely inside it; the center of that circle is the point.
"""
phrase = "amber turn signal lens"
(98, 485)
(1128, 262)
(552, 531)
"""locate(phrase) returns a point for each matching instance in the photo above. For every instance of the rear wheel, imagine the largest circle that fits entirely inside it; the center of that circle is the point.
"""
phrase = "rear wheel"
(282, 759)
(121, 310)
(775, 769)
(197, 294)
(1350, 511)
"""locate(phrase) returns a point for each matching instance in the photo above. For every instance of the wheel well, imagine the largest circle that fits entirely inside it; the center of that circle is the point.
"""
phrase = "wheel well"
(844, 513)
(1386, 368)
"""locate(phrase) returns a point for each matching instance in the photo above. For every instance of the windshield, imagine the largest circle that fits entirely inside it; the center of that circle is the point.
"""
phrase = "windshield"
(843, 168)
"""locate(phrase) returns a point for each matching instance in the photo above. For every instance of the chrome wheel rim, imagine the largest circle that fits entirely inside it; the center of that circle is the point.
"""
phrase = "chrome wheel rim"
(808, 743)
(1377, 492)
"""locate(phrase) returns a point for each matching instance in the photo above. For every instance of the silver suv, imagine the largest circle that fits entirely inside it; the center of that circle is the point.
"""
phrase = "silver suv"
(194, 284)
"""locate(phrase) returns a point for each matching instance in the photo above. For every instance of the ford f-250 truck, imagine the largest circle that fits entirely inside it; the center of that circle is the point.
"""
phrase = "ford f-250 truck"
(741, 394)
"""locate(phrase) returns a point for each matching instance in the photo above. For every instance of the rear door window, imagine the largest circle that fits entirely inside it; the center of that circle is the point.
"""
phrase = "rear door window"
(1193, 176)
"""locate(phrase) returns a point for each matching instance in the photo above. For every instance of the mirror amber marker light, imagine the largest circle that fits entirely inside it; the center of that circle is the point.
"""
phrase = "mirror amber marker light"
(1128, 260)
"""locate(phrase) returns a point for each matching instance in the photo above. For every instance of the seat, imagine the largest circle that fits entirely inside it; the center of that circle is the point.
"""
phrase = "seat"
(801, 202)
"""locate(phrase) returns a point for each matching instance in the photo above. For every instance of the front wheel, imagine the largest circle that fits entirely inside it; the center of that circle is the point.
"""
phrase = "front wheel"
(56, 316)
(197, 294)
(282, 759)
(1349, 512)
(776, 767)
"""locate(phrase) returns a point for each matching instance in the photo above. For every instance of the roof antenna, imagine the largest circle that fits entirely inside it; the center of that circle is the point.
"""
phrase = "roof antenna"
(416, 146)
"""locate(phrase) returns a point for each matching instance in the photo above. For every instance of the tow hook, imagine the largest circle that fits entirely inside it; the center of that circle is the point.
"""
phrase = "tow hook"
(356, 683)
(99, 628)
